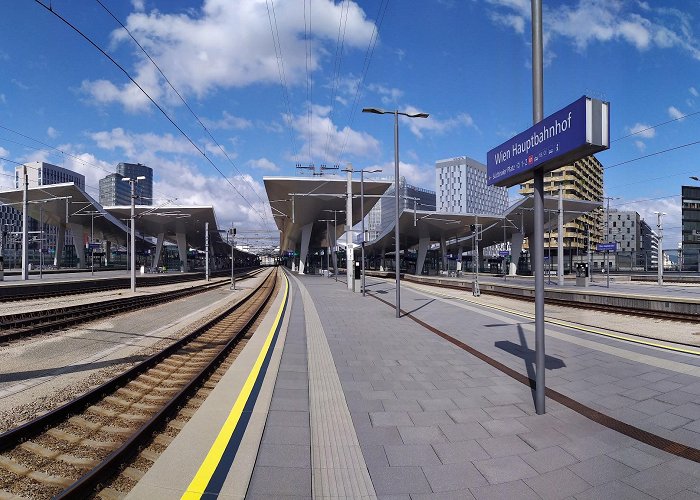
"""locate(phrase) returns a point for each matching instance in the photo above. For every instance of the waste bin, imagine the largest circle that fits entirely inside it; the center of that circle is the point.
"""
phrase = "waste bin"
(581, 274)
(357, 287)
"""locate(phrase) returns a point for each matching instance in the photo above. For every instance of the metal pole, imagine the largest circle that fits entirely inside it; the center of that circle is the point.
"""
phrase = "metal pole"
(362, 226)
(397, 264)
(349, 253)
(335, 232)
(41, 241)
(607, 252)
(92, 240)
(505, 247)
(206, 251)
(560, 239)
(233, 245)
(660, 266)
(25, 225)
(538, 233)
(328, 251)
(588, 254)
(133, 234)
(549, 247)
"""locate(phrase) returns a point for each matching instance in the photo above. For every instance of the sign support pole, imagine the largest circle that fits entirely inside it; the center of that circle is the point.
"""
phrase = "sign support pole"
(537, 243)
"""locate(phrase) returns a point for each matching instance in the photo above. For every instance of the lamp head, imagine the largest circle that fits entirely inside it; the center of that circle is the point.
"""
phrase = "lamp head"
(694, 178)
(376, 111)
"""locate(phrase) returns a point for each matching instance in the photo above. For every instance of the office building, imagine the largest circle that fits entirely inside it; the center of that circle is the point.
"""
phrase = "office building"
(690, 233)
(624, 228)
(409, 197)
(40, 173)
(114, 191)
(583, 180)
(649, 246)
(460, 187)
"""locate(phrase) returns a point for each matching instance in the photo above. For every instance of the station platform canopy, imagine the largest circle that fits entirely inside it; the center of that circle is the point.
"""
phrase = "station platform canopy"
(166, 223)
(299, 203)
(67, 204)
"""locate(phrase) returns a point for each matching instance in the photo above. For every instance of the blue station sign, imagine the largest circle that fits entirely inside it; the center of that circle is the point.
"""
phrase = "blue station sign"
(574, 132)
(606, 247)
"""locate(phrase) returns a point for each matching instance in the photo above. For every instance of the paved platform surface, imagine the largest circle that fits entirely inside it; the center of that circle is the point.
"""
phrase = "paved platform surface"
(433, 421)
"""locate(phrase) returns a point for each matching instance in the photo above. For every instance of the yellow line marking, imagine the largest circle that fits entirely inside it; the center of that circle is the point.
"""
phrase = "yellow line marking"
(198, 485)
(572, 326)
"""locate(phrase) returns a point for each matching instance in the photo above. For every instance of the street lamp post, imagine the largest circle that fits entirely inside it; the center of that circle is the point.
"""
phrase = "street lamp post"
(133, 182)
(232, 231)
(397, 248)
(328, 246)
(607, 231)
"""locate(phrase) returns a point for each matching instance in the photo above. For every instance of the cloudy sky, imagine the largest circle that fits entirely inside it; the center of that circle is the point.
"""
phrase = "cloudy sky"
(248, 88)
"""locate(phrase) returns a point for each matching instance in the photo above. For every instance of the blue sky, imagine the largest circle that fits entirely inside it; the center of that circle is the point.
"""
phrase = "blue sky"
(466, 62)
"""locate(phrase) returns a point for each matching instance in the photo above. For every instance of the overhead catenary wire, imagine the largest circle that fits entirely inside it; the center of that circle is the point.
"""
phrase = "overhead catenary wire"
(158, 106)
(179, 95)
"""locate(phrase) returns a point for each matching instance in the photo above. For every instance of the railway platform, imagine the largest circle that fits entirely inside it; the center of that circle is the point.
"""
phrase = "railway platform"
(335, 397)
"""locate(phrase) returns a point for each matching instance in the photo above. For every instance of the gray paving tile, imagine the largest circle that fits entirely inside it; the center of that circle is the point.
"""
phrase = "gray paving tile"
(286, 435)
(504, 446)
(401, 405)
(615, 401)
(557, 484)
(398, 480)
(613, 490)
(463, 451)
(505, 411)
(543, 438)
(379, 435)
(411, 455)
(504, 427)
(660, 481)
(468, 415)
(514, 490)
(437, 404)
(463, 432)
(640, 393)
(452, 477)
(504, 469)
(289, 403)
(687, 410)
(284, 455)
(280, 481)
(445, 495)
(636, 458)
(668, 420)
(652, 406)
(290, 418)
(685, 495)
(421, 434)
(601, 469)
(390, 418)
(677, 397)
(685, 466)
(588, 447)
(375, 456)
(548, 459)
(435, 417)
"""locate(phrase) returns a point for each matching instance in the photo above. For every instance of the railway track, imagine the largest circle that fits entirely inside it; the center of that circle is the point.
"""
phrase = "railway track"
(58, 289)
(21, 325)
(70, 450)
(527, 294)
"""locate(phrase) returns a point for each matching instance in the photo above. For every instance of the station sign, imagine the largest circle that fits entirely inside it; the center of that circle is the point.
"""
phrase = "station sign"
(504, 253)
(606, 247)
(580, 129)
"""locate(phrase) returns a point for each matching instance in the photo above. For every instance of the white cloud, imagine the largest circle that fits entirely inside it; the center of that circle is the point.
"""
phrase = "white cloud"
(386, 94)
(675, 113)
(603, 21)
(416, 175)
(132, 145)
(325, 141)
(432, 124)
(52, 132)
(4, 152)
(693, 91)
(672, 221)
(226, 44)
(641, 146)
(263, 164)
(642, 130)
(3, 99)
(227, 122)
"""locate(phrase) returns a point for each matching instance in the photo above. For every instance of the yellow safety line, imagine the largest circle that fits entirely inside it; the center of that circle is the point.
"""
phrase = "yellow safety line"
(572, 326)
(198, 485)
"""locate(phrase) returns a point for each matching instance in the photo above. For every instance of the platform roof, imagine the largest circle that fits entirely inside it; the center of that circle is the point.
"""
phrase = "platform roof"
(171, 220)
(67, 203)
(298, 201)
(457, 227)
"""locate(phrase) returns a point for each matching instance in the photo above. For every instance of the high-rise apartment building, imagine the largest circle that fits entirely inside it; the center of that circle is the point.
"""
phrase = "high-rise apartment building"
(40, 173)
(460, 187)
(624, 228)
(114, 191)
(583, 180)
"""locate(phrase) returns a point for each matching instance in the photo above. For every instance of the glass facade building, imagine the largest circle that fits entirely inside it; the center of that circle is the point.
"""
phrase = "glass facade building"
(690, 233)
(116, 192)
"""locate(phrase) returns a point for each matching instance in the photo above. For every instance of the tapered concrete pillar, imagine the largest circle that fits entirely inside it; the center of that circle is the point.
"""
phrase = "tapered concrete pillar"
(60, 244)
(516, 246)
(108, 252)
(460, 251)
(182, 251)
(304, 251)
(159, 249)
(443, 252)
(423, 245)
(382, 267)
(79, 243)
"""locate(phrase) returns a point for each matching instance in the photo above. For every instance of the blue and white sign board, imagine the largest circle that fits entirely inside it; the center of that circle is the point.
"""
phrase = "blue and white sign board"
(504, 253)
(606, 247)
(574, 132)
